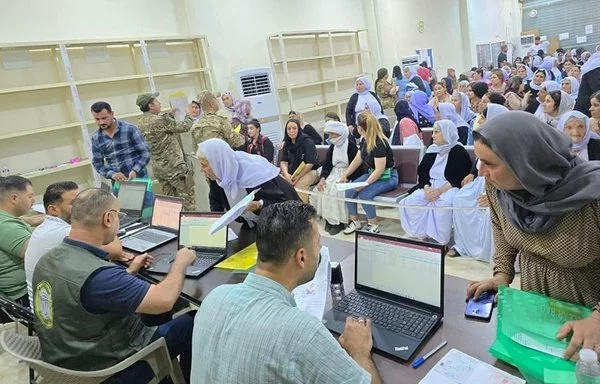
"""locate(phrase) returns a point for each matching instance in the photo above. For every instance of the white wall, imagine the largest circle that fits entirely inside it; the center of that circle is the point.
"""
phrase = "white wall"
(37, 20)
(238, 30)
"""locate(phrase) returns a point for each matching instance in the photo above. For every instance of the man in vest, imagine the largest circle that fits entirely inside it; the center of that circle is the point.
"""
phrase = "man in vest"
(87, 309)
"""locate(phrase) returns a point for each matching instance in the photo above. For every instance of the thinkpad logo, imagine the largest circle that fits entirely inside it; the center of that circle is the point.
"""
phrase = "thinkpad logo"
(399, 349)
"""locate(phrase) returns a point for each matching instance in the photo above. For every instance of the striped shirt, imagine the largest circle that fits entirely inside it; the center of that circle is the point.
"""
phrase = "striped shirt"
(126, 151)
(253, 333)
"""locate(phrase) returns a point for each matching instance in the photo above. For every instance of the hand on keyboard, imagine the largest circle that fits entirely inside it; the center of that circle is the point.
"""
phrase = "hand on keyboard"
(185, 256)
(139, 262)
(357, 339)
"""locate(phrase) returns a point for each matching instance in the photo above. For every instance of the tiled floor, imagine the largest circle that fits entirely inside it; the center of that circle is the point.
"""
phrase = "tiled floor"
(12, 372)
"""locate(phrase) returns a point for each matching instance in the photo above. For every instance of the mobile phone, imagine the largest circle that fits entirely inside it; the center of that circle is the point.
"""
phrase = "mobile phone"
(481, 308)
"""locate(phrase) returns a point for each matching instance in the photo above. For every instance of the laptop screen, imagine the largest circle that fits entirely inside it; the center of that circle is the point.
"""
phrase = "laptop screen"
(166, 212)
(399, 267)
(194, 228)
(131, 196)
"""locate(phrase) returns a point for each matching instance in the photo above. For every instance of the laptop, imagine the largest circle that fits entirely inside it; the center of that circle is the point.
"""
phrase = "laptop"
(193, 234)
(399, 285)
(163, 228)
(131, 200)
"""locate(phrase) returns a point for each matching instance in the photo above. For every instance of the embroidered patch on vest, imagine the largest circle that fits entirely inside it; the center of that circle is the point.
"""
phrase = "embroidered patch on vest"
(42, 304)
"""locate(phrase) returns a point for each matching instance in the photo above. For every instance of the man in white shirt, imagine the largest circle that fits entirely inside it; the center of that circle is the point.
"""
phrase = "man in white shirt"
(56, 226)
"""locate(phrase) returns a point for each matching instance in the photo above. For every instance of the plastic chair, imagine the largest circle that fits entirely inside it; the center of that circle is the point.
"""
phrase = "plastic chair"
(28, 349)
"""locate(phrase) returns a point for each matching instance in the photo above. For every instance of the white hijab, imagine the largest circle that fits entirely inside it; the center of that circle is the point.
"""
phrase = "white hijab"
(236, 170)
(592, 63)
(586, 121)
(494, 110)
(340, 145)
(450, 133)
(566, 104)
(574, 87)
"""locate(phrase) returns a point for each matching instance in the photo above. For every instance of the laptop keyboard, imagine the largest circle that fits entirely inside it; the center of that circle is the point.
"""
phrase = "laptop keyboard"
(152, 237)
(391, 317)
(203, 260)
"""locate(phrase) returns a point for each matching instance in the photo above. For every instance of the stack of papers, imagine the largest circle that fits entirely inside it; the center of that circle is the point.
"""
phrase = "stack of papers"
(242, 260)
(311, 297)
(346, 186)
(459, 368)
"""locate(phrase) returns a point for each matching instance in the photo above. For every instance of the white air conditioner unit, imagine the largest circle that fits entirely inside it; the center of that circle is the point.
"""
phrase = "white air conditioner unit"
(257, 86)
(408, 61)
(527, 41)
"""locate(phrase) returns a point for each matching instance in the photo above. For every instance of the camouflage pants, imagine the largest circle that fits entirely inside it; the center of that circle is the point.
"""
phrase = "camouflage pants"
(181, 185)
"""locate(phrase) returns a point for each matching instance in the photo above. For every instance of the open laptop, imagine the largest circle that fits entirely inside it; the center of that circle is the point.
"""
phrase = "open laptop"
(163, 228)
(131, 200)
(399, 285)
(193, 234)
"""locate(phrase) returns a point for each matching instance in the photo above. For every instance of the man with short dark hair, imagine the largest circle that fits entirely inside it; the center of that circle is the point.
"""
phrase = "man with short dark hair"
(87, 309)
(16, 198)
(170, 165)
(253, 332)
(502, 58)
(55, 227)
(119, 151)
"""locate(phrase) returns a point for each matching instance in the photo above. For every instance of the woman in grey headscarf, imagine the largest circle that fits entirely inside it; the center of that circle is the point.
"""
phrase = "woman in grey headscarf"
(544, 205)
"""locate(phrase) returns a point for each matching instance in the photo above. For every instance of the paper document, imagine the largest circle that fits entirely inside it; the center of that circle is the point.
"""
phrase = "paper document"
(581, 39)
(589, 29)
(346, 186)
(563, 36)
(244, 259)
(38, 208)
(231, 235)
(311, 297)
(459, 368)
(179, 100)
(235, 212)
(298, 170)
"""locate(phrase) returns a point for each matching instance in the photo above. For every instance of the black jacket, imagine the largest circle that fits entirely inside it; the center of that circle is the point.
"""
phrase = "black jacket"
(263, 147)
(590, 83)
(303, 149)
(593, 148)
(313, 134)
(328, 164)
(533, 103)
(350, 109)
(273, 191)
(458, 166)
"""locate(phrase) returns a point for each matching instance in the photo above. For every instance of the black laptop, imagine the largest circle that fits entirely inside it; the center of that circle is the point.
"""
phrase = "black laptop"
(194, 230)
(131, 200)
(164, 225)
(399, 285)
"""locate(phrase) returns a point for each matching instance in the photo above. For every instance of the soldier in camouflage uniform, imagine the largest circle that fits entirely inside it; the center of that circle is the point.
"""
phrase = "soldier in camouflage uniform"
(169, 164)
(214, 126)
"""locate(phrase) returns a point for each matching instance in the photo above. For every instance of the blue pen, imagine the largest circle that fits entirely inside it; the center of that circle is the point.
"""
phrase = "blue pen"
(417, 363)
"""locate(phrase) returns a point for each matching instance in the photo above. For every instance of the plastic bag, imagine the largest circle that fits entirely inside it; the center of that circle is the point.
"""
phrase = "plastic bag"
(526, 335)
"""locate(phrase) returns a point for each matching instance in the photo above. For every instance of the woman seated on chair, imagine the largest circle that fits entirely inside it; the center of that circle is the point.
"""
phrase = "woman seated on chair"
(447, 111)
(576, 125)
(339, 155)
(257, 144)
(406, 130)
(237, 174)
(299, 161)
(444, 166)
(365, 100)
(376, 155)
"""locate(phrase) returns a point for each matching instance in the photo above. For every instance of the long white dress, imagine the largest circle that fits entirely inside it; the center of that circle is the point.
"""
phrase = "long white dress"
(332, 210)
(432, 222)
(472, 228)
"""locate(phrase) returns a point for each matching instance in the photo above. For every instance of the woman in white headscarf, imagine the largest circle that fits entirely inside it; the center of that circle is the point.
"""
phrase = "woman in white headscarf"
(576, 125)
(365, 100)
(339, 155)
(556, 104)
(448, 112)
(545, 88)
(479, 243)
(441, 172)
(571, 86)
(239, 173)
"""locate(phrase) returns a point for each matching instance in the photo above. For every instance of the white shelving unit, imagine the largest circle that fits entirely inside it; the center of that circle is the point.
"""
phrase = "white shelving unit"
(46, 90)
(315, 71)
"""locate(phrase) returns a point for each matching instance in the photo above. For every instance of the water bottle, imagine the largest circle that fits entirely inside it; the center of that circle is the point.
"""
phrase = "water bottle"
(588, 368)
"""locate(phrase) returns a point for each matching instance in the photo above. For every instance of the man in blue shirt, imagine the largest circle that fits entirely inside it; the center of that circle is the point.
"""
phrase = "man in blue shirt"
(253, 332)
(87, 310)
(119, 150)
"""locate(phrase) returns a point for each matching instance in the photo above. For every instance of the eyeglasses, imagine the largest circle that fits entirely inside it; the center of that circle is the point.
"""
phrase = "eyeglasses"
(121, 215)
